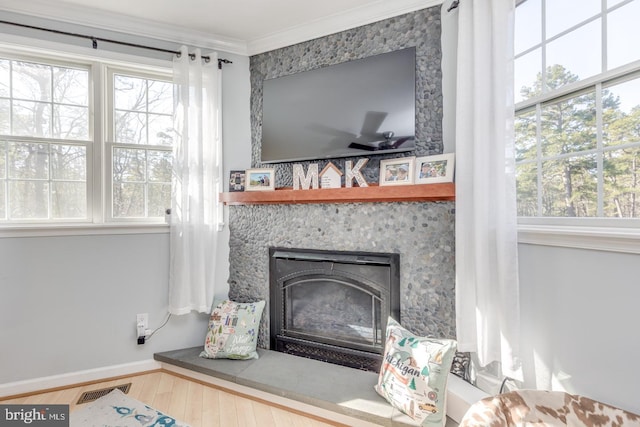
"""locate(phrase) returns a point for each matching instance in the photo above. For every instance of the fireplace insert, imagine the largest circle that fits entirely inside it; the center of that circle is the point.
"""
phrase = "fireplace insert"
(333, 305)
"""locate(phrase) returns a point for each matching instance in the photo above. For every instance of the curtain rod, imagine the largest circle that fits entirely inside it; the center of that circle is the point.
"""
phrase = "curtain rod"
(95, 40)
(456, 3)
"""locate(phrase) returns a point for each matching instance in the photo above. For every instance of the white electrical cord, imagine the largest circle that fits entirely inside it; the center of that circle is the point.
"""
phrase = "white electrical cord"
(148, 337)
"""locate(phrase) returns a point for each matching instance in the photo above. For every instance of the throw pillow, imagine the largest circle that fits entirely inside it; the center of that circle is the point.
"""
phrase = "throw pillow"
(233, 330)
(414, 372)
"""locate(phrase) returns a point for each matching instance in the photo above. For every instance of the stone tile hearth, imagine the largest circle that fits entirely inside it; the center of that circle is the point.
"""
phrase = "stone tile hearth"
(331, 387)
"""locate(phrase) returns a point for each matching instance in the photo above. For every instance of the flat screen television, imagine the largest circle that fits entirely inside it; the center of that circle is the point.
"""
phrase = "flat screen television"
(352, 109)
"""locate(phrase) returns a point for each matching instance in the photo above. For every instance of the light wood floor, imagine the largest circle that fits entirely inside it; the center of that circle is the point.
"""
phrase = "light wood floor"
(191, 402)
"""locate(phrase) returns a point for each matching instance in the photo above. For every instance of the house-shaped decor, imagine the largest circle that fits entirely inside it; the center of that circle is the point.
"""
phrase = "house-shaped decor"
(330, 177)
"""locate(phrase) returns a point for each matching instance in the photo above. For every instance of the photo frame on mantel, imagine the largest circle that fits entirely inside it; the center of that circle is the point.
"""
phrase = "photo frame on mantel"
(259, 179)
(433, 169)
(236, 180)
(397, 171)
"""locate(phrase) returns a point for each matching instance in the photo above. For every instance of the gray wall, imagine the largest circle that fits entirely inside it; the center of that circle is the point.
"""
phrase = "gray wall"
(69, 303)
(580, 322)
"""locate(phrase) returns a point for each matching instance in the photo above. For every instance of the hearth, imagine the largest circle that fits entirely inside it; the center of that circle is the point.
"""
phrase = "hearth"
(333, 305)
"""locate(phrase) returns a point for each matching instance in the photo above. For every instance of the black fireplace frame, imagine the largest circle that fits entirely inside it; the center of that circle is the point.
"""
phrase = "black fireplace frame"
(367, 357)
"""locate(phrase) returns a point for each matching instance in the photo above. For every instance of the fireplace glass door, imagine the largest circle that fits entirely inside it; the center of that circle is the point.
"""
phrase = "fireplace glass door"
(332, 305)
(333, 310)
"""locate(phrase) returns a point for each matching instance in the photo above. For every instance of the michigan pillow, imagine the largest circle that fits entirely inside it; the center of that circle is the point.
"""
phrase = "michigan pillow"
(414, 372)
(233, 330)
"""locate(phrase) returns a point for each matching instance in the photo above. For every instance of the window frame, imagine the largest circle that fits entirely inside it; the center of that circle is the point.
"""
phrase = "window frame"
(600, 233)
(88, 144)
(110, 143)
(98, 180)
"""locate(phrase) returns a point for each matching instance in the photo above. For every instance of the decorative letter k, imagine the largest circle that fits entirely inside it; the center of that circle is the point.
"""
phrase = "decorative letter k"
(352, 173)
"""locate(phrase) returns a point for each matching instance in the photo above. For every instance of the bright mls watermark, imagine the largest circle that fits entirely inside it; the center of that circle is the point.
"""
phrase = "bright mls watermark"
(34, 415)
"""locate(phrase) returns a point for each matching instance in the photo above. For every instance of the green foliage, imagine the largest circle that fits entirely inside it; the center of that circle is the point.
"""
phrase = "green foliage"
(568, 135)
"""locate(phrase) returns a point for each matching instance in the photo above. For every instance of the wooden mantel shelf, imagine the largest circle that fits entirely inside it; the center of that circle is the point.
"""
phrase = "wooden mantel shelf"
(373, 193)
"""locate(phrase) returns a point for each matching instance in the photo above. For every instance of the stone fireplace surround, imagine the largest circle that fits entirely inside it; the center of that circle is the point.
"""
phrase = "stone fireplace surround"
(421, 232)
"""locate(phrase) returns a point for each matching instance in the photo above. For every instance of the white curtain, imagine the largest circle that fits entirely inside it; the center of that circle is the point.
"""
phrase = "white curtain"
(195, 211)
(487, 290)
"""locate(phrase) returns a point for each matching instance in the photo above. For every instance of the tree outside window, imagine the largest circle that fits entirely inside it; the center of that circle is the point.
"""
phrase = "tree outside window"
(577, 127)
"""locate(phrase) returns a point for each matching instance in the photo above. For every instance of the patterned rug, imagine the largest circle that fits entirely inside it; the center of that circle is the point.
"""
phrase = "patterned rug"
(116, 409)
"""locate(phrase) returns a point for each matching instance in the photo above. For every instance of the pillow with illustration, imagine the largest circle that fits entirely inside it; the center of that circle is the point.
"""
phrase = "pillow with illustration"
(414, 372)
(233, 330)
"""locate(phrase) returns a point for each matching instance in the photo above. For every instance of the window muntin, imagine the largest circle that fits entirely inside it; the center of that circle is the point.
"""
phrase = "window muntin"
(577, 150)
(561, 15)
(623, 34)
(581, 61)
(141, 142)
(586, 148)
(143, 111)
(48, 101)
(60, 154)
(528, 25)
(45, 139)
(141, 182)
(576, 34)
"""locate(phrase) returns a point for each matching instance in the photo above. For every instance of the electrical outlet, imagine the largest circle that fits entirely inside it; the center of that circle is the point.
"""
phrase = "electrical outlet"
(142, 324)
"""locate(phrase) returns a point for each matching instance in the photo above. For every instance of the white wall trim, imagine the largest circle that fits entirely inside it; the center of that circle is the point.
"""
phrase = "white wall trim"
(345, 20)
(71, 378)
(81, 230)
(625, 240)
(82, 15)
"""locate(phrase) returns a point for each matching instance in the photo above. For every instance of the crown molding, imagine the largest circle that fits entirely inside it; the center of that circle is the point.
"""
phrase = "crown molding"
(82, 15)
(351, 18)
(337, 22)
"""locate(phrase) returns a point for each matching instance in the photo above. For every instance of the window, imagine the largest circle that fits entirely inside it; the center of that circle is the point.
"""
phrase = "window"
(44, 120)
(140, 146)
(73, 135)
(578, 109)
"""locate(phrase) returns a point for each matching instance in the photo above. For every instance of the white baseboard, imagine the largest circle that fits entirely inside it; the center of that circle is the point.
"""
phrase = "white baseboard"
(71, 378)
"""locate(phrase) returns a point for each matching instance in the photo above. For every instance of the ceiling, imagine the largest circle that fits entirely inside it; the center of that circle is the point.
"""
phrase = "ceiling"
(239, 26)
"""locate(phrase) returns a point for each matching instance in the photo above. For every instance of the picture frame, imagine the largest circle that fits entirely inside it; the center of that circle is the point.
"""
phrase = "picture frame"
(259, 179)
(397, 171)
(237, 180)
(433, 169)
